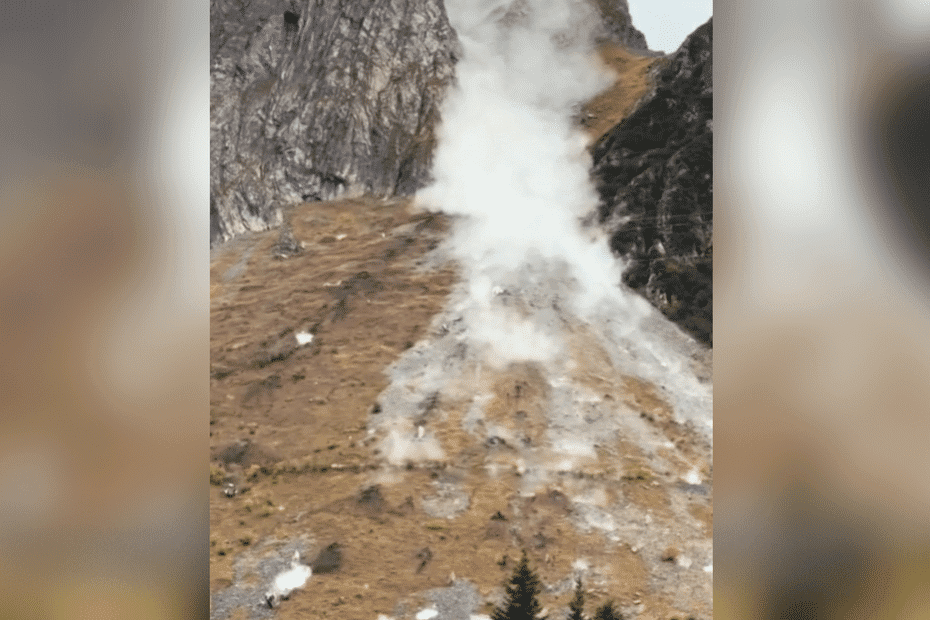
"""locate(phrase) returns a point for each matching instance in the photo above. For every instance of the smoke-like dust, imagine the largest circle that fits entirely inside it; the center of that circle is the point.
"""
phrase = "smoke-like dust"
(539, 290)
(513, 164)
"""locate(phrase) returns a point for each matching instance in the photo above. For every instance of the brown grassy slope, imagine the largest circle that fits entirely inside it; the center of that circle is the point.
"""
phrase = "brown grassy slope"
(614, 104)
(305, 410)
(305, 416)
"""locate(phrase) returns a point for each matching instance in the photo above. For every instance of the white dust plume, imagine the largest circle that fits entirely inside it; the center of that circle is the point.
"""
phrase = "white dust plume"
(513, 164)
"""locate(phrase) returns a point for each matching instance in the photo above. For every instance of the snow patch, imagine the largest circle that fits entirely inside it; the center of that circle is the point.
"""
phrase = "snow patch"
(287, 581)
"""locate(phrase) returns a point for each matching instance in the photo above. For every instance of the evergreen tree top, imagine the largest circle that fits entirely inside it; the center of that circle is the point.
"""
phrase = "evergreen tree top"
(522, 592)
(576, 606)
(607, 612)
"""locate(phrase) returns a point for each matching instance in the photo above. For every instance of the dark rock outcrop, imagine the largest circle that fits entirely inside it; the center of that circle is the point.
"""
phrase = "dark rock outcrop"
(314, 99)
(654, 175)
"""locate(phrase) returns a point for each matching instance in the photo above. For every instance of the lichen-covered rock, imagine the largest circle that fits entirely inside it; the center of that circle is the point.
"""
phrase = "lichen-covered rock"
(654, 175)
(314, 99)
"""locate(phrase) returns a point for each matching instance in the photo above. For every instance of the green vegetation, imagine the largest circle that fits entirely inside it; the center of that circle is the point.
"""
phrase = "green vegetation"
(522, 592)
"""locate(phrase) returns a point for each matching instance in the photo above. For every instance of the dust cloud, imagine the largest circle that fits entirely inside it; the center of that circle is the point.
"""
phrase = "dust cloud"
(511, 162)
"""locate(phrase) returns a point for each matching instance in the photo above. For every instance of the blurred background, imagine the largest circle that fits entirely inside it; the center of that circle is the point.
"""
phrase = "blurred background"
(822, 318)
(822, 321)
(104, 321)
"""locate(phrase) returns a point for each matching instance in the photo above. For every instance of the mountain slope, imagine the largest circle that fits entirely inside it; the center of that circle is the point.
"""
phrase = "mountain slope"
(655, 176)
(321, 441)
(389, 435)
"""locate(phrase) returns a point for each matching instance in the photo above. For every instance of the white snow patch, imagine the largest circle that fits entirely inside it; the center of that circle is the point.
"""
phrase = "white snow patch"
(574, 447)
(303, 338)
(287, 581)
(693, 477)
(426, 614)
(580, 565)
(709, 568)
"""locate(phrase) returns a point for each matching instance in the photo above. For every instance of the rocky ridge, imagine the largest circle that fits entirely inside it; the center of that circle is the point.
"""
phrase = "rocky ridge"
(618, 26)
(654, 173)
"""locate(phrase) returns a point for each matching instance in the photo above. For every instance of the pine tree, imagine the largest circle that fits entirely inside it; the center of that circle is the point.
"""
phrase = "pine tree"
(607, 612)
(577, 605)
(522, 591)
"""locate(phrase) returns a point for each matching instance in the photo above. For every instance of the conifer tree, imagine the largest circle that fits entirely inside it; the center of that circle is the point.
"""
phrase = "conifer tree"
(607, 612)
(576, 606)
(521, 603)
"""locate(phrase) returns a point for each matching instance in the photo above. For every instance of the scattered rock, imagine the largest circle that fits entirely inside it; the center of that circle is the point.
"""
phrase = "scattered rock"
(287, 245)
(329, 560)
(261, 393)
(244, 453)
(276, 349)
(448, 502)
(371, 501)
(287, 581)
(424, 556)
(670, 554)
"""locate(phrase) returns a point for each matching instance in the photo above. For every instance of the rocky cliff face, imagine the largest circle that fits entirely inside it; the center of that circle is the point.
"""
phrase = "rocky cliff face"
(618, 26)
(654, 175)
(312, 99)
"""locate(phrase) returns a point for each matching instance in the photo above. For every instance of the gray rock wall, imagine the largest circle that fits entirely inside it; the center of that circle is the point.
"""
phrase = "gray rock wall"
(314, 99)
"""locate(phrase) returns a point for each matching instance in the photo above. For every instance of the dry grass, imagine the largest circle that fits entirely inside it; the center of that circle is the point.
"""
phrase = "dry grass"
(313, 417)
(604, 111)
